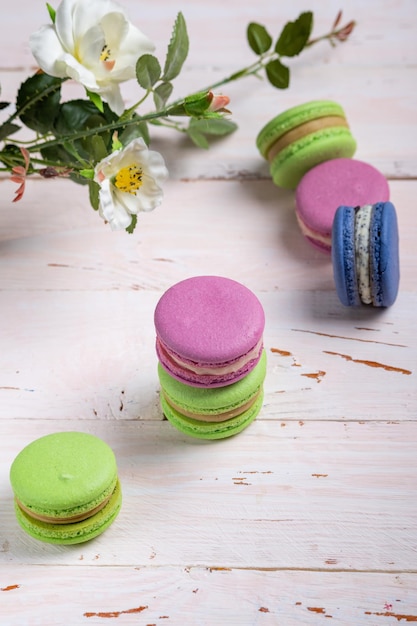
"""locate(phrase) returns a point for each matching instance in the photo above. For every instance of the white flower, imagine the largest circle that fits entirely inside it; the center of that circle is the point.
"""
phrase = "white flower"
(129, 182)
(93, 42)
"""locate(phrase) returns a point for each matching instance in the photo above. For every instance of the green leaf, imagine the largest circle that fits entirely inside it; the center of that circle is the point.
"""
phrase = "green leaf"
(162, 94)
(295, 35)
(132, 224)
(213, 126)
(133, 131)
(51, 11)
(96, 100)
(198, 129)
(7, 129)
(94, 189)
(75, 116)
(177, 49)
(198, 138)
(148, 71)
(38, 98)
(96, 148)
(258, 38)
(87, 174)
(278, 74)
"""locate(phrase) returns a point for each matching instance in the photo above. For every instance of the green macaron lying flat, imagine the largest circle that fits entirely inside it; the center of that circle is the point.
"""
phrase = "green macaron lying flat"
(66, 487)
(302, 137)
(213, 413)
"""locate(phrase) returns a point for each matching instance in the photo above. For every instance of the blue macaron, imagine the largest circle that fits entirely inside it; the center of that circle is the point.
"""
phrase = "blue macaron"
(365, 254)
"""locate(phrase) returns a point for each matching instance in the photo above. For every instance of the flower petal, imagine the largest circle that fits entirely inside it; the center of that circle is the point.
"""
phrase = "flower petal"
(112, 210)
(48, 51)
(111, 94)
(64, 24)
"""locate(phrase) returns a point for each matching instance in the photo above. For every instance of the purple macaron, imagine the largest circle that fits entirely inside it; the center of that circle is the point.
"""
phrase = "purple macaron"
(331, 184)
(209, 331)
(365, 254)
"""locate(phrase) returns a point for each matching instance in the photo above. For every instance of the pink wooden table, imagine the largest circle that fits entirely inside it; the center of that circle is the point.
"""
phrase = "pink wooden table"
(311, 513)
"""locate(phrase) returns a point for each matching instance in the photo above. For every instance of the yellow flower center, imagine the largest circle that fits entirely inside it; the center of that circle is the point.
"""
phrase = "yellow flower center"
(129, 179)
(105, 53)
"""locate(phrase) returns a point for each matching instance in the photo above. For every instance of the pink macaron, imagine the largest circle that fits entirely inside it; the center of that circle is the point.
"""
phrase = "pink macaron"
(209, 331)
(329, 185)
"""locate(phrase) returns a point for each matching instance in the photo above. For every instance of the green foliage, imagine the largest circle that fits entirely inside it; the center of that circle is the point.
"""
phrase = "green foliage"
(80, 115)
(278, 74)
(295, 35)
(292, 40)
(199, 129)
(96, 100)
(134, 131)
(7, 129)
(52, 12)
(177, 49)
(148, 71)
(258, 38)
(38, 102)
(132, 224)
(161, 95)
(93, 190)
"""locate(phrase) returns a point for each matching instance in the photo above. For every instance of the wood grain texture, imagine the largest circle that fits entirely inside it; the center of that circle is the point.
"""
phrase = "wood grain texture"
(172, 595)
(310, 514)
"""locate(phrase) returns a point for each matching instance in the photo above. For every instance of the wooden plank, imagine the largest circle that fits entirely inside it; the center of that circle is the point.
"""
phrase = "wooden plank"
(91, 355)
(217, 31)
(204, 596)
(246, 230)
(281, 495)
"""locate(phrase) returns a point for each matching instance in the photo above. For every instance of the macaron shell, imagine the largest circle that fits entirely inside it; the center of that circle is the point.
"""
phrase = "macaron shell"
(212, 430)
(64, 474)
(79, 532)
(294, 161)
(209, 320)
(384, 255)
(337, 182)
(293, 117)
(213, 401)
(343, 256)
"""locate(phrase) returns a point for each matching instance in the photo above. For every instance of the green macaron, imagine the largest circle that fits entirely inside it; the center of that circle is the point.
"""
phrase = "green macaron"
(66, 487)
(213, 413)
(302, 137)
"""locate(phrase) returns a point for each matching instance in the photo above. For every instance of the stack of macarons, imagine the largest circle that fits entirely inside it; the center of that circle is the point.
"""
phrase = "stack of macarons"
(211, 359)
(310, 149)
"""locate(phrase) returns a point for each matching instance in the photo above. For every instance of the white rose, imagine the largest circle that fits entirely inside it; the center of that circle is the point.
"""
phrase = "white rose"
(129, 182)
(93, 42)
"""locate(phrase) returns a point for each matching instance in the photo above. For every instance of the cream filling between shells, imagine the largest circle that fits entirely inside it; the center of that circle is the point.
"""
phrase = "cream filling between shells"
(63, 520)
(218, 417)
(215, 370)
(362, 228)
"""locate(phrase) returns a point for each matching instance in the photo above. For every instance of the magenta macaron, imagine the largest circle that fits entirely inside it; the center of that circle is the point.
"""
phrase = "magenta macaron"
(209, 331)
(327, 186)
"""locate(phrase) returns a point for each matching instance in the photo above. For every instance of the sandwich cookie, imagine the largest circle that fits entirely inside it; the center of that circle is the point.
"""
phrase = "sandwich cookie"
(66, 487)
(331, 184)
(302, 137)
(213, 413)
(365, 254)
(209, 331)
